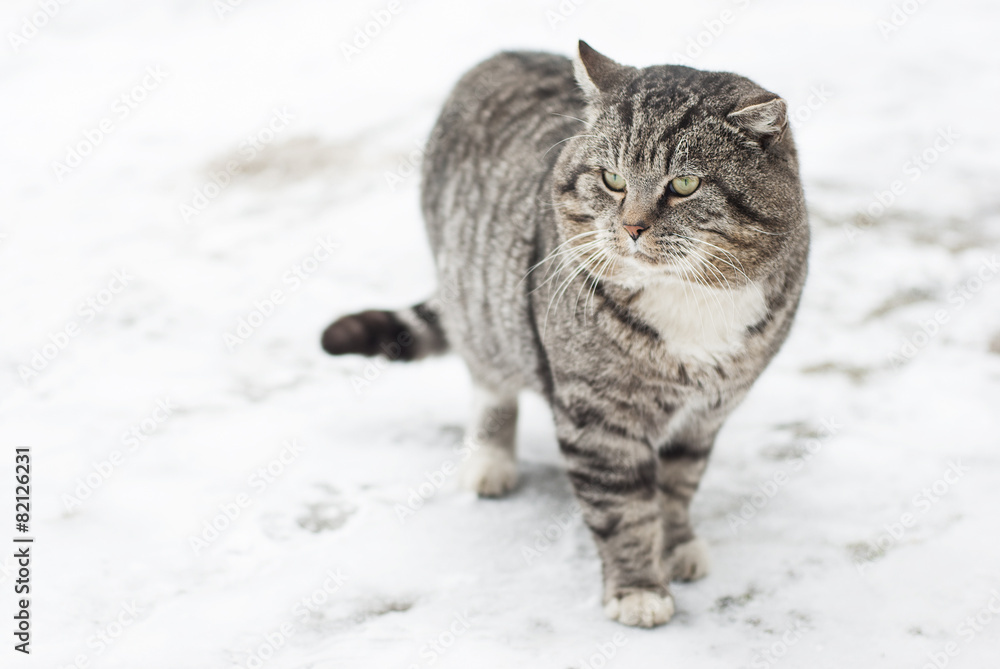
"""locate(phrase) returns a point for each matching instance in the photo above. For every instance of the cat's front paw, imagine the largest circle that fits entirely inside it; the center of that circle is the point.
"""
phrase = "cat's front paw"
(641, 608)
(490, 472)
(689, 561)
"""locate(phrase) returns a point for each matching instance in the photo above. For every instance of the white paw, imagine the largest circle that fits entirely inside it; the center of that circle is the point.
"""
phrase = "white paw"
(689, 561)
(490, 472)
(640, 609)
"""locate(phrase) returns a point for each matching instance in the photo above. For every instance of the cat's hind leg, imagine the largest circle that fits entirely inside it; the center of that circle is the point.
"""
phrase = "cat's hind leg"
(490, 465)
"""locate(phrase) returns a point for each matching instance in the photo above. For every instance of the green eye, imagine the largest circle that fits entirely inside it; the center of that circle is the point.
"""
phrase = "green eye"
(615, 182)
(684, 186)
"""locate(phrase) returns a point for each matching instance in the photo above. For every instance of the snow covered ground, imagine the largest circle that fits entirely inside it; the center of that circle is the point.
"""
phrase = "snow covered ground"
(192, 190)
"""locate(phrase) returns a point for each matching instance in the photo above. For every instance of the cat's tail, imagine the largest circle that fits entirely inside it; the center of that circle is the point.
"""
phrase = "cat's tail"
(406, 334)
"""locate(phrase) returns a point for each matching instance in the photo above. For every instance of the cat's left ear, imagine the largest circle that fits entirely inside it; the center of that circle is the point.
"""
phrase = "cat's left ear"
(596, 73)
(766, 120)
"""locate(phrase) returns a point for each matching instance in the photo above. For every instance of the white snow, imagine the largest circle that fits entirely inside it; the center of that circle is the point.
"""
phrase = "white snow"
(835, 449)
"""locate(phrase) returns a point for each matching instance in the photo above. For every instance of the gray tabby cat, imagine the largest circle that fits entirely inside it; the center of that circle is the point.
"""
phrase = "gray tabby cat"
(629, 243)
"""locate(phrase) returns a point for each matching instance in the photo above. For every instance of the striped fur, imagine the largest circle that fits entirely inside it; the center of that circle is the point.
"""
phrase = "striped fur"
(644, 345)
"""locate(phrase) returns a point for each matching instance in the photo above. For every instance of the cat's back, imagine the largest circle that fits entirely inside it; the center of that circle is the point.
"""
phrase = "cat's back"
(485, 194)
(494, 127)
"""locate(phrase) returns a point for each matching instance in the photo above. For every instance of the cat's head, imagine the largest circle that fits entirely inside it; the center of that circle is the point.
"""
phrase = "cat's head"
(676, 172)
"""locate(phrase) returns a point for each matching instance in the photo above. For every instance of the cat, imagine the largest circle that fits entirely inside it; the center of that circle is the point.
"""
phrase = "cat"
(629, 243)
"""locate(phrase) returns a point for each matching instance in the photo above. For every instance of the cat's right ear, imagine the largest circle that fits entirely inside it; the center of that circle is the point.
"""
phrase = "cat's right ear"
(596, 73)
(765, 120)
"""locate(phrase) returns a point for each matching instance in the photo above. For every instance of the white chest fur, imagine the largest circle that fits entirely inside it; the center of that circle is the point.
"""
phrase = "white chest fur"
(700, 322)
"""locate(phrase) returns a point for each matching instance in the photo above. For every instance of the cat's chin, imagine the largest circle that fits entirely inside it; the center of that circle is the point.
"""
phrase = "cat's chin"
(639, 270)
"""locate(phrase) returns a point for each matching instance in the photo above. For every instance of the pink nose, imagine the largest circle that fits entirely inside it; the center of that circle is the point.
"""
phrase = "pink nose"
(634, 230)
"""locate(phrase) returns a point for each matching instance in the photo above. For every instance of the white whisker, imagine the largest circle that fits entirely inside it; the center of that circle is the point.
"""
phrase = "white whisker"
(564, 140)
(572, 117)
(740, 269)
(558, 251)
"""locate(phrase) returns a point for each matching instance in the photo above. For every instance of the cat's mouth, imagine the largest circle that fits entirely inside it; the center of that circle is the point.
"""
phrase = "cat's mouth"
(636, 253)
(645, 257)
(634, 260)
(642, 266)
